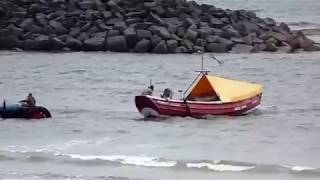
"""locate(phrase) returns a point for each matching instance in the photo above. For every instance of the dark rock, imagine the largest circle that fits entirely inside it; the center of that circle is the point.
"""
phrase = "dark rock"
(93, 30)
(269, 21)
(161, 47)
(181, 49)
(191, 35)
(131, 37)
(107, 14)
(56, 43)
(306, 43)
(117, 44)
(58, 27)
(216, 23)
(113, 32)
(41, 20)
(133, 20)
(121, 26)
(150, 5)
(188, 44)
(238, 40)
(181, 32)
(228, 43)
(42, 42)
(172, 46)
(246, 27)
(175, 37)
(161, 31)
(29, 25)
(198, 49)
(86, 27)
(5, 32)
(200, 42)
(259, 47)
(155, 39)
(143, 25)
(75, 32)
(34, 8)
(143, 46)
(279, 36)
(217, 47)
(86, 4)
(83, 36)
(285, 48)
(204, 32)
(17, 32)
(229, 32)
(155, 19)
(8, 42)
(144, 34)
(241, 48)
(270, 46)
(96, 42)
(284, 27)
(73, 43)
(257, 41)
(212, 39)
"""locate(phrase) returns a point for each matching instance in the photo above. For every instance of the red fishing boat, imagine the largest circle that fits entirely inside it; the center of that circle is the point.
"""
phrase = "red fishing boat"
(208, 95)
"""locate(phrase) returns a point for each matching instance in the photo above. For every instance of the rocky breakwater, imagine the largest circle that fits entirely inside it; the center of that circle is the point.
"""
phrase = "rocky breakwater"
(157, 26)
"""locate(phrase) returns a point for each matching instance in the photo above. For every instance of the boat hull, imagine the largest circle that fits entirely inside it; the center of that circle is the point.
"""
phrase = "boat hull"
(25, 112)
(151, 106)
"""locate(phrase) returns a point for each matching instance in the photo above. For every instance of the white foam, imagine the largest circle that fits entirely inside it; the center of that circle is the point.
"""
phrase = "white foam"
(219, 167)
(302, 168)
(131, 160)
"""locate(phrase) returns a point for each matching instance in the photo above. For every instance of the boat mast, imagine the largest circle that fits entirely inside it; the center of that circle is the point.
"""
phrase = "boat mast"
(202, 71)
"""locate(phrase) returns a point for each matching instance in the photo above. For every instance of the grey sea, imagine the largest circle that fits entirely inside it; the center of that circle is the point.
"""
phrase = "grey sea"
(96, 132)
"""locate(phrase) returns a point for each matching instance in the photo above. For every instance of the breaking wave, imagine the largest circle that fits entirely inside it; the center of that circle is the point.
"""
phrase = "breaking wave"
(151, 162)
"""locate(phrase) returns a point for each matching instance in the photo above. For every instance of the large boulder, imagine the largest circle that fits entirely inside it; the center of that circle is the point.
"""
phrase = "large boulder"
(306, 43)
(56, 43)
(8, 42)
(30, 26)
(96, 42)
(155, 19)
(172, 46)
(161, 31)
(117, 44)
(246, 27)
(143, 46)
(73, 43)
(75, 32)
(155, 39)
(241, 48)
(191, 35)
(58, 27)
(161, 47)
(131, 37)
(217, 47)
(143, 34)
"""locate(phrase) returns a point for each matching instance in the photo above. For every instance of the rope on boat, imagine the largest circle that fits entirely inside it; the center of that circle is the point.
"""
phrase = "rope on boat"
(188, 108)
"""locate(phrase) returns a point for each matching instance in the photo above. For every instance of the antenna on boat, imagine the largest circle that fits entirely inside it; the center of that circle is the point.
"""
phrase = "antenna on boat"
(202, 71)
(214, 58)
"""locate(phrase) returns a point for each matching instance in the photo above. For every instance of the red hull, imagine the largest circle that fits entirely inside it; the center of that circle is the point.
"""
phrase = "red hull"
(151, 106)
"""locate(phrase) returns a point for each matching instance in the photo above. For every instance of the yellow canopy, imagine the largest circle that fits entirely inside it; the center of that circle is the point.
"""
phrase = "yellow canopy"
(211, 87)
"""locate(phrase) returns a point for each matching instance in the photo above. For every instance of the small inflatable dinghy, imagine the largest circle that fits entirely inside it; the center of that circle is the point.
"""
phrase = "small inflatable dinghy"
(23, 111)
